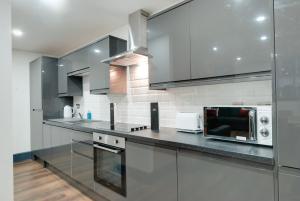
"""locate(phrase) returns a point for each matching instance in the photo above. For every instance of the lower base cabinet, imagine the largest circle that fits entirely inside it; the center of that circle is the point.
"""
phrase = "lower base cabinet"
(208, 178)
(289, 185)
(61, 149)
(151, 173)
(82, 159)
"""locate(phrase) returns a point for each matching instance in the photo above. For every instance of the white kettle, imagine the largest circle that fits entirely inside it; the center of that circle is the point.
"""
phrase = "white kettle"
(68, 111)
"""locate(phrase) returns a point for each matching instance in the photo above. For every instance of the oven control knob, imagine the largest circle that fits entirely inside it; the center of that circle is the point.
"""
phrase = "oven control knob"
(264, 132)
(264, 120)
(117, 141)
(100, 138)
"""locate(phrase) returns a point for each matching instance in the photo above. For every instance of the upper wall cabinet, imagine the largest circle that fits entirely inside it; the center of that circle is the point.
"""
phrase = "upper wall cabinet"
(168, 43)
(230, 37)
(101, 81)
(88, 60)
(207, 39)
(67, 86)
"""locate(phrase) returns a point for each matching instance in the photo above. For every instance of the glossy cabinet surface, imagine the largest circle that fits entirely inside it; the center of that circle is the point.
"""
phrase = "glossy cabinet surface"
(206, 178)
(231, 37)
(68, 86)
(151, 173)
(169, 44)
(61, 149)
(82, 159)
(100, 81)
(289, 185)
(99, 72)
(287, 19)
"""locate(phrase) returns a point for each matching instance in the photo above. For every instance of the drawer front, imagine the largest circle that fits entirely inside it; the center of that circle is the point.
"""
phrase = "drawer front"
(82, 144)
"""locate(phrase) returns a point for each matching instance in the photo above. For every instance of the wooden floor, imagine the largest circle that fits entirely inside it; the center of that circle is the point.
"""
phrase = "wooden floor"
(32, 182)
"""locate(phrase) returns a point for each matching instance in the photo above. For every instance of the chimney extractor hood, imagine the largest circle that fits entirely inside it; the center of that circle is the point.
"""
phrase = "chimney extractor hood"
(138, 51)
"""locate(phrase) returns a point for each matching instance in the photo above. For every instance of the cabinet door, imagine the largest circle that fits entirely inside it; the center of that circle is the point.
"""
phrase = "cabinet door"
(169, 44)
(83, 170)
(203, 177)
(62, 76)
(287, 18)
(47, 136)
(289, 185)
(61, 149)
(99, 72)
(231, 37)
(79, 59)
(82, 159)
(151, 173)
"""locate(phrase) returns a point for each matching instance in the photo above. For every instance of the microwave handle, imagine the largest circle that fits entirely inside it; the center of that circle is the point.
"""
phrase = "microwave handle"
(252, 124)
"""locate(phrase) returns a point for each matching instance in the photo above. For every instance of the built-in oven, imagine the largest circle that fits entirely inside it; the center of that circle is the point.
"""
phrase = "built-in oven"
(109, 162)
(249, 124)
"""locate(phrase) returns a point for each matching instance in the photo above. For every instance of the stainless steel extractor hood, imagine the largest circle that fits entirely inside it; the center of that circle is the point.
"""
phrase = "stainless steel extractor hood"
(138, 51)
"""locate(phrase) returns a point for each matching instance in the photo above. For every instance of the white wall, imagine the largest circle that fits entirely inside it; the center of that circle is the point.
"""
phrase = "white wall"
(21, 100)
(6, 168)
(135, 106)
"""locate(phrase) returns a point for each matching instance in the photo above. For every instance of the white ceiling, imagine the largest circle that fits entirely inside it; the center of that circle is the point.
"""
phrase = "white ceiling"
(55, 27)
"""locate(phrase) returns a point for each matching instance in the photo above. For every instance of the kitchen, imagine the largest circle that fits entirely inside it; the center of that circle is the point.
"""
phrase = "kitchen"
(167, 100)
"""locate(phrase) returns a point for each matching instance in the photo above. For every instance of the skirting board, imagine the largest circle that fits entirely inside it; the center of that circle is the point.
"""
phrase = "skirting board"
(22, 157)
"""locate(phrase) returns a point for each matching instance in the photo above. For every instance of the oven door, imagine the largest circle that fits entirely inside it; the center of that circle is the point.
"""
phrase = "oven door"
(110, 168)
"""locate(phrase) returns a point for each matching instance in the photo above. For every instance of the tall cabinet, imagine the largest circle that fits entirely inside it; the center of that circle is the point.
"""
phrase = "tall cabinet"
(287, 17)
(44, 103)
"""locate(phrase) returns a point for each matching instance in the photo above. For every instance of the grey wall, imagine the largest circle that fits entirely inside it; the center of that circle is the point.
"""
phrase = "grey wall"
(6, 169)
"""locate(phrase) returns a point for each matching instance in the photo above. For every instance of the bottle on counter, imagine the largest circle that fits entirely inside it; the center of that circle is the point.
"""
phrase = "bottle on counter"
(89, 115)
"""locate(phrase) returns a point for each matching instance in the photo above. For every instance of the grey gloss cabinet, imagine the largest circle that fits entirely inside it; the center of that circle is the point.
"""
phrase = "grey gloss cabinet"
(68, 86)
(44, 103)
(231, 37)
(287, 29)
(100, 82)
(207, 178)
(99, 72)
(61, 149)
(289, 185)
(169, 44)
(82, 159)
(151, 173)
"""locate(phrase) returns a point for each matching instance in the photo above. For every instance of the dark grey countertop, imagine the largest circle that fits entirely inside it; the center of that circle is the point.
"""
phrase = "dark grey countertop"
(169, 137)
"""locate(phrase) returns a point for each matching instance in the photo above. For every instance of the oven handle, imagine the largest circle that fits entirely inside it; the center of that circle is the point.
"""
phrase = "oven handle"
(107, 149)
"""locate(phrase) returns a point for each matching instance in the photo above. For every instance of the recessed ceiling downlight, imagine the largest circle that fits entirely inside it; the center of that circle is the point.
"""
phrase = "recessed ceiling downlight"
(17, 32)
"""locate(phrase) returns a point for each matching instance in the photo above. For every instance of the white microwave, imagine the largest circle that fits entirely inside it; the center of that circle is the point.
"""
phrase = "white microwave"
(249, 124)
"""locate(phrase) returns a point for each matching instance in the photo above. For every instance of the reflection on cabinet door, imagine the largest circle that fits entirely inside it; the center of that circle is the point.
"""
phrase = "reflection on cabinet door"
(169, 44)
(99, 72)
(151, 173)
(206, 178)
(83, 170)
(61, 149)
(231, 37)
(287, 19)
(289, 185)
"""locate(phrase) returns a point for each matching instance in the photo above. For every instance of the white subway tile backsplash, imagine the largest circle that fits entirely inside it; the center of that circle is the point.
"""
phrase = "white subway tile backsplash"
(135, 106)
